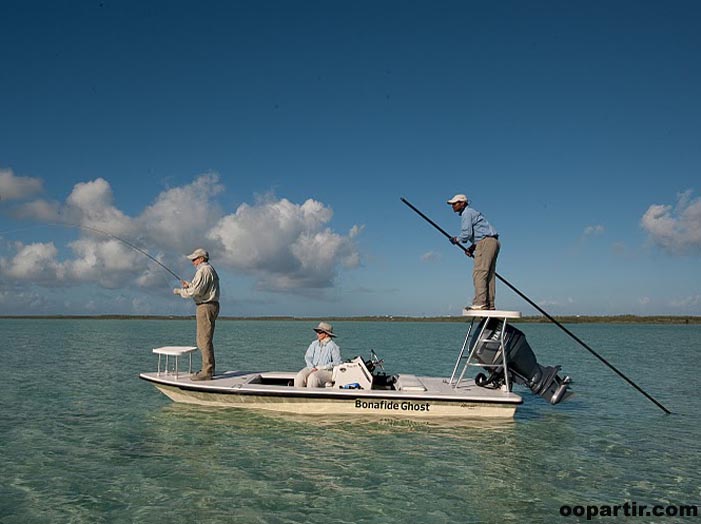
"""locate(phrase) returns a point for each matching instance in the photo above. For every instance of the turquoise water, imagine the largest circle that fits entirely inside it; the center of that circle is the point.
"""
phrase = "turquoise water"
(85, 441)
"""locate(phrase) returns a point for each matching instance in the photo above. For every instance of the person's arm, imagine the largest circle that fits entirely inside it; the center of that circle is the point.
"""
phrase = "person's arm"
(199, 285)
(336, 355)
(308, 356)
(467, 232)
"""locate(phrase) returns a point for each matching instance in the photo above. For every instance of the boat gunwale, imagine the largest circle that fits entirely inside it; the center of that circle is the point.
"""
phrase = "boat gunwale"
(329, 393)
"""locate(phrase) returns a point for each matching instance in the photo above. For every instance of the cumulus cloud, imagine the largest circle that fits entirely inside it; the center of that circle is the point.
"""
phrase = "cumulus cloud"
(285, 246)
(34, 262)
(109, 263)
(685, 302)
(28, 301)
(39, 210)
(677, 228)
(180, 217)
(593, 230)
(90, 205)
(13, 187)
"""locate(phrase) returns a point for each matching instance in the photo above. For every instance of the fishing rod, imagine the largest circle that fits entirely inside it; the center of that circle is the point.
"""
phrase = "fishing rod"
(135, 248)
(545, 313)
(111, 235)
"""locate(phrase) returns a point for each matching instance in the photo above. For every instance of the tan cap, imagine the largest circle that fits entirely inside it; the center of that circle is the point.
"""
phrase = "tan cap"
(458, 198)
(197, 253)
(325, 327)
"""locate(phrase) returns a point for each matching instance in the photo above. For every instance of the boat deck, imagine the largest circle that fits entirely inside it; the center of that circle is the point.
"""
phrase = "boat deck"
(408, 387)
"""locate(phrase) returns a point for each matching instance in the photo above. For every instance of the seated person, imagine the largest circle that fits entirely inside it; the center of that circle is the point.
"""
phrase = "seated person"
(321, 356)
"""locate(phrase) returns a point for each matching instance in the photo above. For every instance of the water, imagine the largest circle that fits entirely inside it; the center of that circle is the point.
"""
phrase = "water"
(85, 441)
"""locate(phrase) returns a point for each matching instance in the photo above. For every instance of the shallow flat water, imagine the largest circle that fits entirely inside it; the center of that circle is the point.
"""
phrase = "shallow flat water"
(84, 440)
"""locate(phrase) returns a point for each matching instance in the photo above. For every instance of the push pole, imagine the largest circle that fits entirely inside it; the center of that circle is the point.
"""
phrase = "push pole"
(545, 313)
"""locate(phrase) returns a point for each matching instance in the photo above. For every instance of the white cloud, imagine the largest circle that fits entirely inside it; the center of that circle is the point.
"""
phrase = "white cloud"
(39, 210)
(14, 187)
(548, 302)
(34, 262)
(109, 263)
(180, 217)
(18, 302)
(355, 231)
(90, 205)
(430, 256)
(285, 245)
(690, 301)
(593, 230)
(676, 229)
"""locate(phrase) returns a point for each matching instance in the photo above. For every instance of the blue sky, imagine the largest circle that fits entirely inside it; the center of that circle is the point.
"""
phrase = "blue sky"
(281, 136)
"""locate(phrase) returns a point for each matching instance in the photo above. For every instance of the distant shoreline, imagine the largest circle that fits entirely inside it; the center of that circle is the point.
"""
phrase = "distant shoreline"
(567, 319)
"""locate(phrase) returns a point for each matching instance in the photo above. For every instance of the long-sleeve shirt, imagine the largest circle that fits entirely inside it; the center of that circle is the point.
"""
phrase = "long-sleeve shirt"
(474, 226)
(323, 355)
(204, 286)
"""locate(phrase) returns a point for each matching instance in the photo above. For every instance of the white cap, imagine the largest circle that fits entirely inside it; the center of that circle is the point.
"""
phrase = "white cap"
(458, 198)
(197, 253)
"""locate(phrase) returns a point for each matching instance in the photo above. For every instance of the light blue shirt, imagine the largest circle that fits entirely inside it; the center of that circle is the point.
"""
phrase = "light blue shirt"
(323, 355)
(474, 226)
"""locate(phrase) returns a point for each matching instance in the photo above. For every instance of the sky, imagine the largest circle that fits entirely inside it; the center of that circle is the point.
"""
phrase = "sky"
(281, 136)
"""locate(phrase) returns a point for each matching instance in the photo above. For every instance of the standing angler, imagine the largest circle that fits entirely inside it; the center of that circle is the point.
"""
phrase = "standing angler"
(204, 290)
(484, 248)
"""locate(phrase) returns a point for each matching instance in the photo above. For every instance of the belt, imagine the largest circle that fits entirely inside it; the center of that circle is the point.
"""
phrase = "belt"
(495, 237)
(208, 303)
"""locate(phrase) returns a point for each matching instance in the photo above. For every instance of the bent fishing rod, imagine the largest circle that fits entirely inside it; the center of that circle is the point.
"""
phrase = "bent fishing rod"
(545, 313)
(111, 235)
(138, 249)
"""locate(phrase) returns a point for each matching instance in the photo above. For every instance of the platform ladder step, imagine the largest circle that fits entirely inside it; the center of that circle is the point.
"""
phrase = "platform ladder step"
(466, 356)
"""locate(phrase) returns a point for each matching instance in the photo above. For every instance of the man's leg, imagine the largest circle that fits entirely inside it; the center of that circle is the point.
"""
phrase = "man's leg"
(319, 378)
(484, 269)
(492, 276)
(206, 315)
(301, 377)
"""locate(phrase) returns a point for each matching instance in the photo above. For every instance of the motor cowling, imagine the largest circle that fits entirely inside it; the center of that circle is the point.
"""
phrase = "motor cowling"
(522, 365)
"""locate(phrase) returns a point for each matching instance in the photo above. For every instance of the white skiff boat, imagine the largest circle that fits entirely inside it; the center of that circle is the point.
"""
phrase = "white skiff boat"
(360, 388)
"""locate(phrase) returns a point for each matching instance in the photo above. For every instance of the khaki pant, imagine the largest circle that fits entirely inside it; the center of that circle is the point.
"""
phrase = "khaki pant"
(484, 271)
(206, 315)
(318, 379)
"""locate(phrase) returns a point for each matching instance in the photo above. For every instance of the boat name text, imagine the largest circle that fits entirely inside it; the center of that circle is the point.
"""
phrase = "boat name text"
(393, 406)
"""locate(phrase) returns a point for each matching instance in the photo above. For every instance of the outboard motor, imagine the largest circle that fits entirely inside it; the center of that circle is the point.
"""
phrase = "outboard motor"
(521, 362)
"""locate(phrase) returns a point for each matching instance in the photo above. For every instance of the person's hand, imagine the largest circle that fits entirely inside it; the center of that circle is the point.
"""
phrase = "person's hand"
(176, 291)
(470, 251)
(454, 240)
(185, 284)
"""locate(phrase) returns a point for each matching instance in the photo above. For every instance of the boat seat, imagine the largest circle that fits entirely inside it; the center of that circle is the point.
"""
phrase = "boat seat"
(176, 352)
(409, 383)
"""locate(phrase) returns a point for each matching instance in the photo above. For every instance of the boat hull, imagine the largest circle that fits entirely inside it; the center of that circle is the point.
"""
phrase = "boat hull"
(438, 402)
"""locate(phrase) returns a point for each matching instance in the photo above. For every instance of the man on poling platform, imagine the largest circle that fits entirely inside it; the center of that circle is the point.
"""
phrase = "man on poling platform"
(484, 248)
